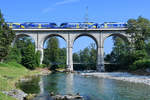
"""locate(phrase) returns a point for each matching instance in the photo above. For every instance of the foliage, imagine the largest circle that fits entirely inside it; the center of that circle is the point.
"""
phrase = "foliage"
(76, 57)
(6, 38)
(10, 73)
(24, 52)
(29, 59)
(53, 49)
(54, 56)
(87, 58)
(43, 65)
(137, 51)
(139, 29)
(32, 87)
(14, 55)
(37, 58)
(140, 64)
(62, 58)
(51, 53)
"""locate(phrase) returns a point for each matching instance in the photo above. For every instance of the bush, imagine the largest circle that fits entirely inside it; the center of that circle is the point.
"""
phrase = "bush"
(53, 67)
(140, 64)
(37, 58)
(139, 54)
(13, 56)
(43, 65)
(29, 59)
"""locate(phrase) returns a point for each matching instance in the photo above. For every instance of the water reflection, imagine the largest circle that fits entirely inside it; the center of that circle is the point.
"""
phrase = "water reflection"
(92, 88)
(69, 83)
(41, 84)
(31, 85)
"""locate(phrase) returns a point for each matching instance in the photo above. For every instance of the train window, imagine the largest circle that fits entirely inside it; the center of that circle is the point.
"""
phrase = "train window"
(53, 24)
(63, 24)
(115, 25)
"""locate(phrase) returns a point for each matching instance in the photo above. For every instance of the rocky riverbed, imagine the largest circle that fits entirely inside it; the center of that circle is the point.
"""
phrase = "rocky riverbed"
(66, 97)
(18, 94)
(124, 76)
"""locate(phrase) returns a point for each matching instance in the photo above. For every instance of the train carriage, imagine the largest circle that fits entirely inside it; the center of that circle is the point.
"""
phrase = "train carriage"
(48, 25)
(79, 25)
(14, 25)
(39, 25)
(112, 25)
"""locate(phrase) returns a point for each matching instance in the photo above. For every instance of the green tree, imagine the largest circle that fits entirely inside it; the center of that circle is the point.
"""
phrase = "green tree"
(29, 58)
(14, 55)
(62, 58)
(37, 58)
(6, 38)
(139, 29)
(76, 57)
(87, 57)
(53, 49)
(128, 54)
(54, 56)
(93, 53)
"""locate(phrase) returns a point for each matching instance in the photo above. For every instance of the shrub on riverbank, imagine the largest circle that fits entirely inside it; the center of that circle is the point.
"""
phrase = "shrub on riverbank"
(140, 64)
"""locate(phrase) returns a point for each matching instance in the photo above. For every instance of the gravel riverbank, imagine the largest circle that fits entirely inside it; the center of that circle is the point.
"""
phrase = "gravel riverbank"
(124, 76)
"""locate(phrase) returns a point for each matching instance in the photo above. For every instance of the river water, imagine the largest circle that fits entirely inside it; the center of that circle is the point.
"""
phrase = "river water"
(92, 88)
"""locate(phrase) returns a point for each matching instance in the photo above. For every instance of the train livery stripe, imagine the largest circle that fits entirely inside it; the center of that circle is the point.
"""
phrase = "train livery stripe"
(45, 25)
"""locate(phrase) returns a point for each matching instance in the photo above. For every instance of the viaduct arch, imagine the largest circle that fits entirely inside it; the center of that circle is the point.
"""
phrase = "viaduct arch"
(70, 35)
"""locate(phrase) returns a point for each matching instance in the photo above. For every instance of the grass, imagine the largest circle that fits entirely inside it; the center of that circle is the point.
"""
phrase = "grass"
(10, 73)
(5, 97)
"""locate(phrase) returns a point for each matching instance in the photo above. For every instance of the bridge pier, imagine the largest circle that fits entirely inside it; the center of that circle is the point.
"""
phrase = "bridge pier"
(42, 54)
(100, 59)
(69, 55)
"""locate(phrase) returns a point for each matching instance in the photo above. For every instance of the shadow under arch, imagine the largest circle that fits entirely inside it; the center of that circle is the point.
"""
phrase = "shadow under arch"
(21, 36)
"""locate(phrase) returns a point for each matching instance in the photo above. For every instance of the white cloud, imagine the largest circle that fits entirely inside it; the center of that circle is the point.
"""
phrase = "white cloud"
(48, 9)
(66, 2)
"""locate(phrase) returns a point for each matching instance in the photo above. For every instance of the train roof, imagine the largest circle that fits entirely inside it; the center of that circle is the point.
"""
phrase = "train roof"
(65, 23)
(30, 22)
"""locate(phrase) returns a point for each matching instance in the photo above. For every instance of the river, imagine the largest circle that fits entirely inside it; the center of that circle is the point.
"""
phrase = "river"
(92, 88)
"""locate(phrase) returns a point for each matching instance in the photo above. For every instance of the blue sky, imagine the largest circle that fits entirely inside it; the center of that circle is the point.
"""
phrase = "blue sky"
(74, 11)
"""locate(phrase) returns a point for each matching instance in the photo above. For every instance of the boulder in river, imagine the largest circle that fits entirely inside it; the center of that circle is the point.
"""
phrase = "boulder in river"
(67, 97)
(18, 94)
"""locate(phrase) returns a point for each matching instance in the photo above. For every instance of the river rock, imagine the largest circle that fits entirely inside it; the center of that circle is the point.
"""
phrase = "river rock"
(67, 97)
(148, 70)
(18, 94)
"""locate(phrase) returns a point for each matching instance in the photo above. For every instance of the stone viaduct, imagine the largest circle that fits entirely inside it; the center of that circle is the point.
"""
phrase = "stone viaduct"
(70, 35)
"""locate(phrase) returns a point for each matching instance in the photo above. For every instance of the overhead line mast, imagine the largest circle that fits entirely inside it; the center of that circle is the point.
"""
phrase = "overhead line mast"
(86, 15)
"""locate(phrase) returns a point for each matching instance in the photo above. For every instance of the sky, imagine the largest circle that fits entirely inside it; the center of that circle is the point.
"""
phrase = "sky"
(74, 11)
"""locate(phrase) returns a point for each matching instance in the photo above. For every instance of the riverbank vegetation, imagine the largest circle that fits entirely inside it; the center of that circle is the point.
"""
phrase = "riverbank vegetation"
(10, 73)
(135, 54)
(14, 61)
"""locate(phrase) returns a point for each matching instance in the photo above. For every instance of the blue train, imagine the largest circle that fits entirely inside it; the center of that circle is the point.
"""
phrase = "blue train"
(78, 25)
(32, 25)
